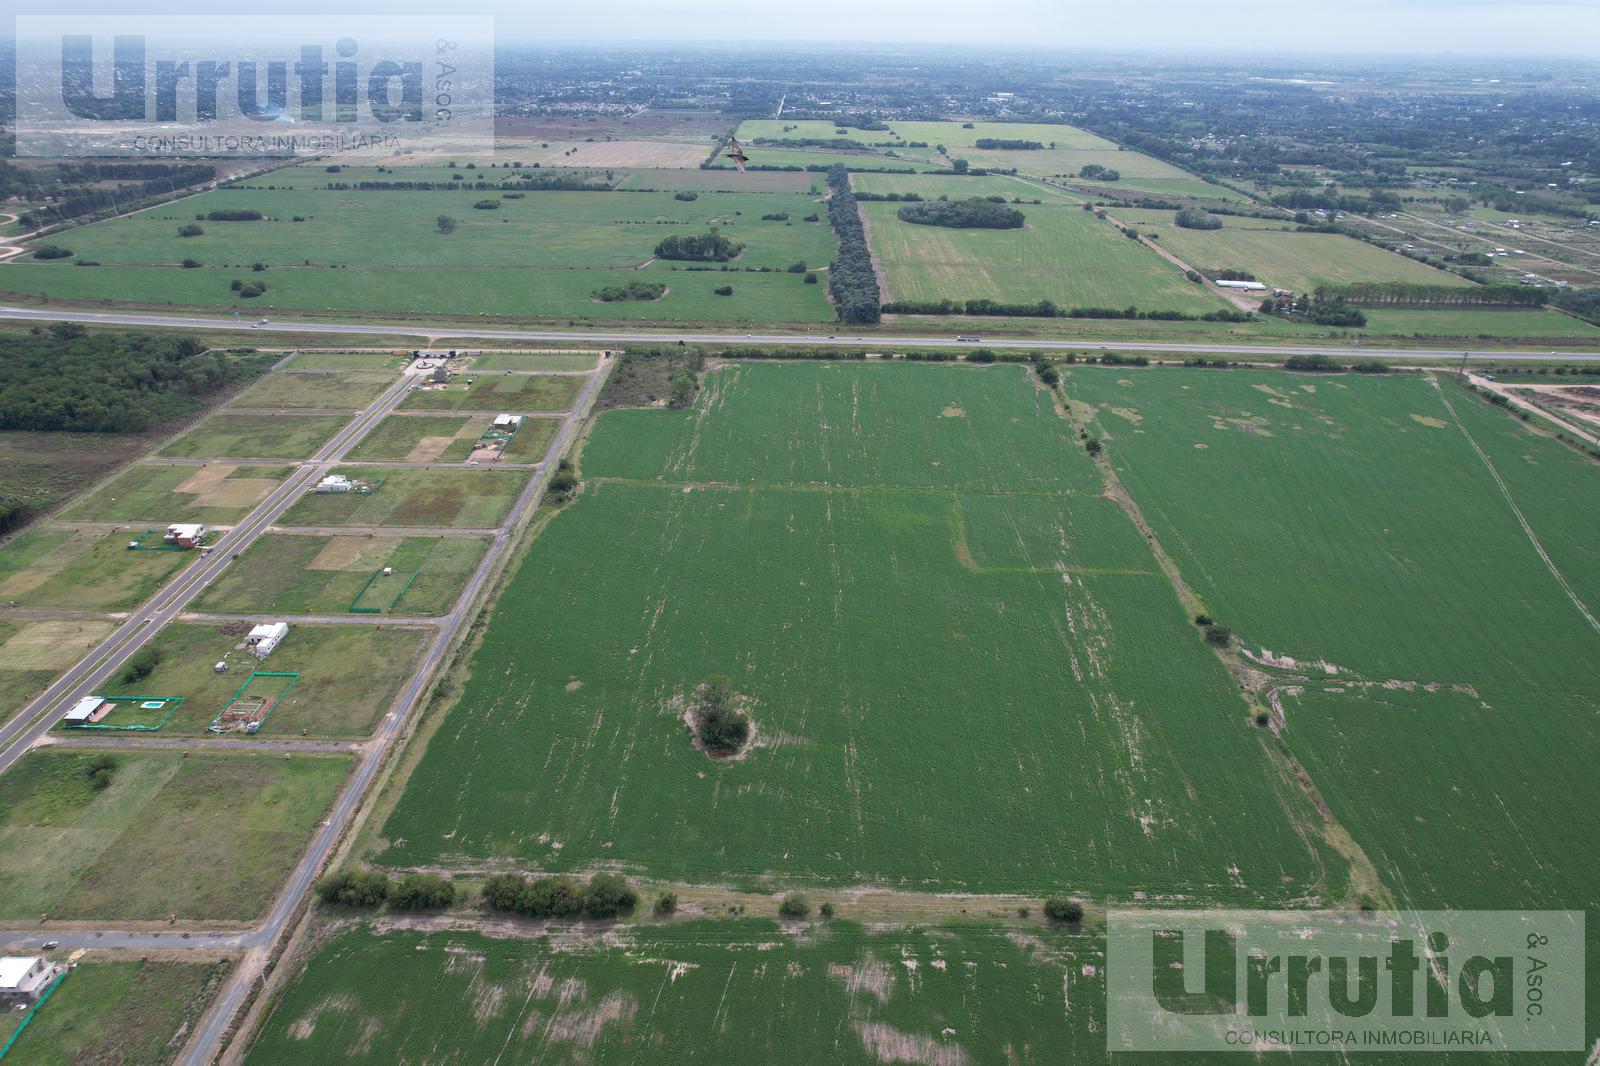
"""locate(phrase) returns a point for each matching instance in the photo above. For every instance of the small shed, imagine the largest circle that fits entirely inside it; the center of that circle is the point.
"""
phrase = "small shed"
(266, 636)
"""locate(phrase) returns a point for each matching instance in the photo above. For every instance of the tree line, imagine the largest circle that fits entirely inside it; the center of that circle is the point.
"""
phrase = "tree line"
(1405, 294)
(851, 280)
(541, 183)
(75, 202)
(710, 247)
(976, 213)
(986, 308)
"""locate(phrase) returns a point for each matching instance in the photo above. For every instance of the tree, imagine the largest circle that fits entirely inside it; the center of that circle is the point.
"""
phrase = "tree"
(1196, 218)
(1058, 909)
(191, 230)
(445, 224)
(1219, 636)
(503, 891)
(666, 903)
(609, 896)
(721, 726)
(794, 907)
(417, 892)
(961, 166)
(100, 772)
(354, 888)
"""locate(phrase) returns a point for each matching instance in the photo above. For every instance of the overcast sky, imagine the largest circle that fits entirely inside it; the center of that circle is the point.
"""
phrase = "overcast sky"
(1558, 27)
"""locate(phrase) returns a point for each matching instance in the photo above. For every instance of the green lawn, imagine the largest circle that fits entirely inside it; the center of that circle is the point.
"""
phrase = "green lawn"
(535, 360)
(348, 675)
(412, 496)
(230, 435)
(218, 493)
(84, 571)
(294, 574)
(723, 992)
(349, 361)
(202, 837)
(1062, 254)
(510, 393)
(118, 1011)
(316, 388)
(911, 574)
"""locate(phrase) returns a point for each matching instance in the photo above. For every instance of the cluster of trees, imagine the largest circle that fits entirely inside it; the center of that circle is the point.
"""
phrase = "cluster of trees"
(100, 772)
(563, 483)
(65, 378)
(633, 290)
(976, 213)
(1318, 310)
(605, 896)
(1196, 218)
(1585, 303)
(1047, 309)
(851, 280)
(522, 183)
(1330, 200)
(891, 197)
(147, 180)
(140, 665)
(996, 144)
(232, 214)
(644, 375)
(52, 251)
(710, 247)
(1096, 172)
(372, 888)
(1403, 294)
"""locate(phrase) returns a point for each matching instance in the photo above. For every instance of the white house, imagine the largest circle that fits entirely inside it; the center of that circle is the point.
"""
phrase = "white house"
(87, 710)
(24, 978)
(335, 483)
(266, 636)
(185, 534)
(507, 421)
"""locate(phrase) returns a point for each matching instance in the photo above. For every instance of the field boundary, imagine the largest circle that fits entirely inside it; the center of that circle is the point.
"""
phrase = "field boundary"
(254, 723)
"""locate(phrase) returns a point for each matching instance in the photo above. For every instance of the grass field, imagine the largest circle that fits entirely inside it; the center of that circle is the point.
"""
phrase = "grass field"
(1062, 254)
(83, 571)
(534, 360)
(511, 393)
(316, 388)
(1475, 323)
(43, 469)
(702, 990)
(33, 653)
(946, 183)
(348, 675)
(544, 254)
(449, 438)
(1289, 260)
(118, 1011)
(203, 837)
(889, 561)
(349, 361)
(413, 496)
(216, 494)
(231, 435)
(294, 574)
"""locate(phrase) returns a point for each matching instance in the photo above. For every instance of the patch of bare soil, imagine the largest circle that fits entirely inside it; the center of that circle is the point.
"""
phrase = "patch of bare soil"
(888, 1044)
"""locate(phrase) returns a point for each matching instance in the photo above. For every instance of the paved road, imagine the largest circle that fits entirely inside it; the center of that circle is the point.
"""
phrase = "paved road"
(877, 340)
(37, 718)
(207, 1041)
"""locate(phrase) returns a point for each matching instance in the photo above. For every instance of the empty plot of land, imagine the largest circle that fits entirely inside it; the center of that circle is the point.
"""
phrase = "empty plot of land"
(453, 439)
(85, 571)
(346, 675)
(217, 493)
(234, 435)
(1062, 254)
(535, 360)
(472, 498)
(33, 653)
(284, 573)
(701, 990)
(316, 388)
(871, 553)
(514, 393)
(202, 837)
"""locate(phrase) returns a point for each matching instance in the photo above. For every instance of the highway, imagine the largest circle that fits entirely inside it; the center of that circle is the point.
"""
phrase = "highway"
(874, 340)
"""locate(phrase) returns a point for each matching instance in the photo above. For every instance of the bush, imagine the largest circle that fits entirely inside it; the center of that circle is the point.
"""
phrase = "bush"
(1063, 910)
(191, 264)
(1093, 446)
(1262, 719)
(794, 906)
(686, 197)
(798, 268)
(501, 892)
(191, 230)
(1203, 620)
(721, 726)
(826, 910)
(1219, 636)
(419, 892)
(776, 216)
(811, 279)
(633, 290)
(52, 251)
(140, 665)
(666, 903)
(723, 290)
(100, 772)
(1196, 218)
(235, 214)
(354, 888)
(445, 224)
(563, 484)
(252, 290)
(487, 205)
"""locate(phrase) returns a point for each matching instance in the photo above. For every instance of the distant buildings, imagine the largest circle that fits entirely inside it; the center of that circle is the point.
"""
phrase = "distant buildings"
(1242, 286)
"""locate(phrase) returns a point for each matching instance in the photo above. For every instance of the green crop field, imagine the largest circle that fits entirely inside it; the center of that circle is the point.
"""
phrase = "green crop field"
(348, 675)
(218, 493)
(296, 574)
(229, 435)
(701, 990)
(511, 393)
(413, 496)
(1477, 322)
(202, 837)
(349, 361)
(535, 360)
(449, 438)
(1062, 254)
(544, 254)
(945, 183)
(1332, 520)
(316, 388)
(81, 570)
(1289, 260)
(910, 573)
(118, 1011)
